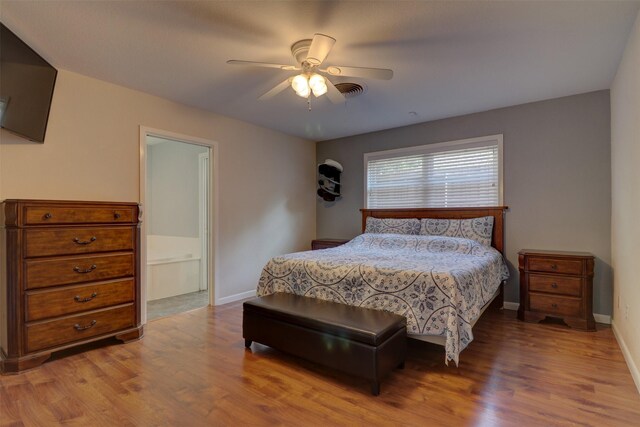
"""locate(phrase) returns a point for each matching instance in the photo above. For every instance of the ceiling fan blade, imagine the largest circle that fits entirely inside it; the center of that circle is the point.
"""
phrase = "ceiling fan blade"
(367, 73)
(276, 90)
(263, 64)
(334, 94)
(320, 47)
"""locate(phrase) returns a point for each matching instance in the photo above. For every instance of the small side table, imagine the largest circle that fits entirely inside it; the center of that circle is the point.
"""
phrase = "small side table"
(557, 284)
(327, 243)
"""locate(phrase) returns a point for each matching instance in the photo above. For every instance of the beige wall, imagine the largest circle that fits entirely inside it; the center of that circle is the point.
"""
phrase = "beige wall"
(625, 198)
(91, 152)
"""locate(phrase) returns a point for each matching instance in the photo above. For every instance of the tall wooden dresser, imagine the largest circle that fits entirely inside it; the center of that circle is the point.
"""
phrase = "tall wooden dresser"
(70, 275)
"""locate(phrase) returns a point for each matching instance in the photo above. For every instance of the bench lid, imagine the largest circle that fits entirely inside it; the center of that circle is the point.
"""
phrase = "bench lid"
(365, 325)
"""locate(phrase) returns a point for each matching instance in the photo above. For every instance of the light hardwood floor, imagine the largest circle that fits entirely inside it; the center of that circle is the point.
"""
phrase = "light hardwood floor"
(192, 369)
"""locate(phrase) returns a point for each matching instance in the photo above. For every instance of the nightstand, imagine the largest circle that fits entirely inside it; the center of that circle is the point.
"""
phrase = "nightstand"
(557, 284)
(327, 243)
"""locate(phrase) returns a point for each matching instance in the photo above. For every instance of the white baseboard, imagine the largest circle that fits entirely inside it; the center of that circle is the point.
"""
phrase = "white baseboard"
(236, 297)
(511, 305)
(600, 318)
(635, 373)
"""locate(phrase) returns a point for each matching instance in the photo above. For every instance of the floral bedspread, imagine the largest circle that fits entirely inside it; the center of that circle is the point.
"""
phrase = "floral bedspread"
(440, 284)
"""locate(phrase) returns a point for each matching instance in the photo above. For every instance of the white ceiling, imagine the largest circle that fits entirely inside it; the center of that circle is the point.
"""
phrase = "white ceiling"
(449, 58)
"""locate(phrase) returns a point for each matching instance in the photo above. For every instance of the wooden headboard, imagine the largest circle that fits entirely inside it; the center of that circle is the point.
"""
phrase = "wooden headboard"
(497, 212)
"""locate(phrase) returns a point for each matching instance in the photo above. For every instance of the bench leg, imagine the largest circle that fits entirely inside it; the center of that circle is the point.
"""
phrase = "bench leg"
(375, 388)
(247, 343)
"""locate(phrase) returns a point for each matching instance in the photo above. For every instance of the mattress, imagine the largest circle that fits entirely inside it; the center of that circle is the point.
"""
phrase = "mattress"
(440, 284)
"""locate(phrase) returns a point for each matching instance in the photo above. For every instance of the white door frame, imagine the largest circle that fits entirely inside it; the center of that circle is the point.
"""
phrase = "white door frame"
(213, 209)
(203, 217)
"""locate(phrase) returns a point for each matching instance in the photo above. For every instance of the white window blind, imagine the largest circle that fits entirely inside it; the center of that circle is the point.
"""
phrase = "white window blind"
(458, 173)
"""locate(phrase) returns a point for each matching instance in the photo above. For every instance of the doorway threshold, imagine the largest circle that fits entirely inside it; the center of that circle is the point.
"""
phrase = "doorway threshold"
(177, 304)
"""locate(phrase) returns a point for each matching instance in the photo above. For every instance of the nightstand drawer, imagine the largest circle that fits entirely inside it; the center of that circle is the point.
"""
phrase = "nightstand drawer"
(555, 265)
(39, 215)
(46, 303)
(67, 270)
(563, 306)
(71, 241)
(55, 332)
(563, 285)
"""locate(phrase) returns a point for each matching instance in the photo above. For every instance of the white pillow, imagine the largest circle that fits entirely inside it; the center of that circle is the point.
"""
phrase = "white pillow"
(392, 225)
(478, 229)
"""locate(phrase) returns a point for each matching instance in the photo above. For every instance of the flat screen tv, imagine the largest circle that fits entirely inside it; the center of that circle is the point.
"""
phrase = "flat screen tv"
(26, 88)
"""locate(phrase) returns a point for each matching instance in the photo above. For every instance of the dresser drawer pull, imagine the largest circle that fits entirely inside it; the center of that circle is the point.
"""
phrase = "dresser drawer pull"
(82, 328)
(77, 240)
(554, 285)
(78, 298)
(554, 267)
(554, 305)
(116, 215)
(88, 270)
(48, 215)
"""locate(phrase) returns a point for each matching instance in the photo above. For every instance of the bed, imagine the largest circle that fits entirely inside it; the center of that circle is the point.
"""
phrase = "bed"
(441, 284)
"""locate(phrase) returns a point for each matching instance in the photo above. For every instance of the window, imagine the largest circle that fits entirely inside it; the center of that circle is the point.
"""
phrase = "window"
(449, 174)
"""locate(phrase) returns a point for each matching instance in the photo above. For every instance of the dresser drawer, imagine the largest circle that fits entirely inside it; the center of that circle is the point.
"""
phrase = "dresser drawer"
(67, 270)
(70, 241)
(38, 215)
(56, 332)
(555, 265)
(42, 304)
(564, 285)
(562, 306)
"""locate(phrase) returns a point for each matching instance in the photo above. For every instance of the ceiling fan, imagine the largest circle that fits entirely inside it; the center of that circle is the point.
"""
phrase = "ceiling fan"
(309, 55)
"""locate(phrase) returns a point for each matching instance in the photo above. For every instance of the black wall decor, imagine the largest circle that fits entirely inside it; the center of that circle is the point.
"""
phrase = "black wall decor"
(329, 180)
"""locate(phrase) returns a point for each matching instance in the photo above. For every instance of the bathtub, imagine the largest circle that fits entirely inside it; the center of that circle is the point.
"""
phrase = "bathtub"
(173, 266)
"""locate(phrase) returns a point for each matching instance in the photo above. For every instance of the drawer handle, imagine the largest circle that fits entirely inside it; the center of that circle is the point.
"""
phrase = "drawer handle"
(88, 270)
(116, 215)
(82, 328)
(554, 305)
(47, 216)
(554, 285)
(77, 240)
(554, 267)
(77, 298)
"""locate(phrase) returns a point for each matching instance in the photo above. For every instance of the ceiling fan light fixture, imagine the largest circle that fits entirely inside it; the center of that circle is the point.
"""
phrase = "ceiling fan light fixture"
(318, 85)
(319, 90)
(300, 85)
(303, 92)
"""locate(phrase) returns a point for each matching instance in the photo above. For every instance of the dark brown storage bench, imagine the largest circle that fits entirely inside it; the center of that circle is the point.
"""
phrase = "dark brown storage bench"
(359, 341)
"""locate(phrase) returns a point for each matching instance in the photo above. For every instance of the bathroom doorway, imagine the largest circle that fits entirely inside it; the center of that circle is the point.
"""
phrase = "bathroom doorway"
(177, 217)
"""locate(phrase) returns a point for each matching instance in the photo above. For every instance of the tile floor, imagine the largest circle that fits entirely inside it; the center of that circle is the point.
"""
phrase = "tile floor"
(178, 304)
